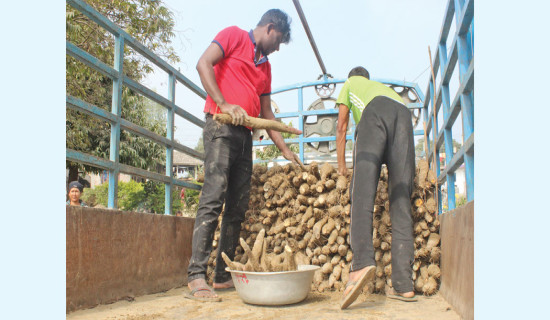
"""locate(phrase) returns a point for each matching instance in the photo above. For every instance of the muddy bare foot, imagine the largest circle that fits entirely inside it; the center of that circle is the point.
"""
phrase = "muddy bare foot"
(201, 291)
(405, 296)
(224, 285)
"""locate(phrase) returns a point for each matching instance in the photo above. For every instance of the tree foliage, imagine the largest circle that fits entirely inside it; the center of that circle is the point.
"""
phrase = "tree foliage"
(200, 145)
(155, 196)
(134, 196)
(150, 23)
(271, 152)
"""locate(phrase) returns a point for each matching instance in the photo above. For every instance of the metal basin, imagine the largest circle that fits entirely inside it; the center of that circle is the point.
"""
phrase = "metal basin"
(274, 288)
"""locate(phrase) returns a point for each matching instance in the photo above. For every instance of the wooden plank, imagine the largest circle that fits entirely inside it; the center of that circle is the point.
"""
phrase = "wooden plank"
(112, 255)
(457, 259)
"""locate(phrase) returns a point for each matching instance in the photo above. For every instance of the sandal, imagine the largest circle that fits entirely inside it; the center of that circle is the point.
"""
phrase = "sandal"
(392, 294)
(357, 287)
(191, 295)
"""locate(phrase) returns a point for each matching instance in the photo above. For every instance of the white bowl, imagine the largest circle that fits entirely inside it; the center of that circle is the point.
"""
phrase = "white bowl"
(274, 288)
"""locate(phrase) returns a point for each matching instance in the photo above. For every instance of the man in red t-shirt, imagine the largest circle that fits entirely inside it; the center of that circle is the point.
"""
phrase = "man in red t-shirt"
(236, 74)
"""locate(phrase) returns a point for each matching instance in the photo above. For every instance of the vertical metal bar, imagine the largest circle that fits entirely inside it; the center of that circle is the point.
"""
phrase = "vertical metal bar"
(470, 38)
(434, 132)
(426, 112)
(466, 100)
(468, 125)
(309, 35)
(116, 108)
(301, 121)
(169, 149)
(434, 129)
(447, 133)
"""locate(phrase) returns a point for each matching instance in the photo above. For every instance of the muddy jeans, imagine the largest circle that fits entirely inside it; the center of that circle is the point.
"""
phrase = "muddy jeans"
(227, 172)
(384, 135)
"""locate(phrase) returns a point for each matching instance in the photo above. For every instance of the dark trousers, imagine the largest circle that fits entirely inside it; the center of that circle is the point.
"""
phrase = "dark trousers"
(384, 135)
(227, 172)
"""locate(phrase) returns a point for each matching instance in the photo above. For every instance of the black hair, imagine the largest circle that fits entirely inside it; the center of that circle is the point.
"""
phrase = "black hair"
(281, 22)
(359, 71)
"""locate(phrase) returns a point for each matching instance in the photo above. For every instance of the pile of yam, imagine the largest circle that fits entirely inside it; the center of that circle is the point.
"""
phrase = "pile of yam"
(302, 216)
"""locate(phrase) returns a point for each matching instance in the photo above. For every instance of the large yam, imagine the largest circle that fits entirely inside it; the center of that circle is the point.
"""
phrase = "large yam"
(318, 226)
(434, 271)
(430, 286)
(433, 240)
(337, 272)
(341, 183)
(258, 244)
(252, 259)
(327, 268)
(343, 250)
(326, 171)
(335, 211)
(329, 226)
(333, 236)
(290, 263)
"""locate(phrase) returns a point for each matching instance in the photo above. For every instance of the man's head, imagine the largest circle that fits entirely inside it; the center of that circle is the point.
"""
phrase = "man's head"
(275, 27)
(359, 71)
(75, 189)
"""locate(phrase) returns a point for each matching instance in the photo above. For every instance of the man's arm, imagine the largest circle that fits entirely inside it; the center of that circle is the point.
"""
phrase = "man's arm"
(341, 129)
(211, 56)
(276, 136)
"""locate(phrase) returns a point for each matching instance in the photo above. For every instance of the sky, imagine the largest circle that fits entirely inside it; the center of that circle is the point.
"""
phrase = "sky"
(390, 38)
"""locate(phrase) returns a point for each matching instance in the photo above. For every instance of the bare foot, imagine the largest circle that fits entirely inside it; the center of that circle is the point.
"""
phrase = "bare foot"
(403, 296)
(201, 283)
(409, 294)
(224, 285)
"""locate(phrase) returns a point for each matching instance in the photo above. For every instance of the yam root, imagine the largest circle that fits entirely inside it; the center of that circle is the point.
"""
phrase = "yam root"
(257, 123)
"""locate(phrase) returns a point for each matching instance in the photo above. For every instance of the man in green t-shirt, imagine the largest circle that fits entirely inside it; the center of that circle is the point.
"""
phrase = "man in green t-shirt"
(383, 134)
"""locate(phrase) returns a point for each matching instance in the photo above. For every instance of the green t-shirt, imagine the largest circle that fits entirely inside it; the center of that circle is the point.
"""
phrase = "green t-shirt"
(359, 91)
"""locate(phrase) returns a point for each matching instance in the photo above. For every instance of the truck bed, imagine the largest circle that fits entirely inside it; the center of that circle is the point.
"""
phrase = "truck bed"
(172, 305)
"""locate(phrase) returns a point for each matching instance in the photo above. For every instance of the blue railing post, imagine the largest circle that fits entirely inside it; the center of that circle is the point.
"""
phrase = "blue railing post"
(466, 98)
(301, 121)
(169, 149)
(116, 109)
(447, 130)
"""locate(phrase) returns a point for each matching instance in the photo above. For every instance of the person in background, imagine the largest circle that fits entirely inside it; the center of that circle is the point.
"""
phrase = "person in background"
(384, 134)
(75, 191)
(236, 74)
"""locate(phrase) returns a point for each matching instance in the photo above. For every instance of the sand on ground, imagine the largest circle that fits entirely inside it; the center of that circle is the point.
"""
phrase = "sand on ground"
(317, 306)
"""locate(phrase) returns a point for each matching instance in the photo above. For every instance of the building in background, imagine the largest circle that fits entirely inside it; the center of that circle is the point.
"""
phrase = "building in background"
(185, 167)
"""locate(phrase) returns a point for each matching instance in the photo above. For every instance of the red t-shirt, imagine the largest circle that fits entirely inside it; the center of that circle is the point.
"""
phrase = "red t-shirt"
(241, 80)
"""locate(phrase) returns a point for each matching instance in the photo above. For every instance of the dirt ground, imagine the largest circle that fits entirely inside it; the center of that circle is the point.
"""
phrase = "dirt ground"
(172, 305)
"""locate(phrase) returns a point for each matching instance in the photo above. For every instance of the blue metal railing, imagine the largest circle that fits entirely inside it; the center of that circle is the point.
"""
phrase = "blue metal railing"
(116, 74)
(461, 52)
(301, 114)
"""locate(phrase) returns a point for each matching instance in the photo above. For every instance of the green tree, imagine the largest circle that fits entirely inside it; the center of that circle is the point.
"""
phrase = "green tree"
(151, 24)
(130, 195)
(271, 152)
(154, 197)
(200, 145)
